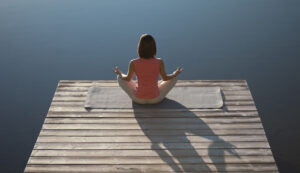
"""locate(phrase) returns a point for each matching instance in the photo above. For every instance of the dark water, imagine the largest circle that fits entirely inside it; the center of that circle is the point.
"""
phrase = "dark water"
(44, 41)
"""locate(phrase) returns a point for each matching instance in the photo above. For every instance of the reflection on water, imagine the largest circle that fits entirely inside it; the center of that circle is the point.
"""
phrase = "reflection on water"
(43, 42)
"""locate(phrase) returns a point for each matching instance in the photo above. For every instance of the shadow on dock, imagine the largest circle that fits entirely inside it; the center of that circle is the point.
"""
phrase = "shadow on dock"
(181, 151)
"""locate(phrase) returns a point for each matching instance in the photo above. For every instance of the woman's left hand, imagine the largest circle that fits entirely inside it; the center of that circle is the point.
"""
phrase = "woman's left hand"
(117, 71)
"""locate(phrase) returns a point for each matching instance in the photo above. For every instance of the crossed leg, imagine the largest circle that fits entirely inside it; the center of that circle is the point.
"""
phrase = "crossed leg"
(163, 86)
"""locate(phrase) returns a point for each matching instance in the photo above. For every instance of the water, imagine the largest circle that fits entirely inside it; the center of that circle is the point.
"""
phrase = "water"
(42, 42)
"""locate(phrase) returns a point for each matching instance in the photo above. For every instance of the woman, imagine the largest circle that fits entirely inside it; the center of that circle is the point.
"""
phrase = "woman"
(147, 68)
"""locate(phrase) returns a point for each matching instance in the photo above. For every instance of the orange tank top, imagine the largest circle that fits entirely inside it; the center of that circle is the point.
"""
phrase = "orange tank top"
(147, 71)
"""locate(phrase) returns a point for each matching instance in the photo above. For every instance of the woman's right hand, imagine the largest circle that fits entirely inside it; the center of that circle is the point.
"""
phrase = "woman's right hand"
(178, 71)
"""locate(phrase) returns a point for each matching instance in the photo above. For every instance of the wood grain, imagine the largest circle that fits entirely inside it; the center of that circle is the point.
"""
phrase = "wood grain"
(230, 139)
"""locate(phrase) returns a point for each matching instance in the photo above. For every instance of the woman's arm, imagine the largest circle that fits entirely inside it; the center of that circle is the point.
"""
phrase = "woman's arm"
(163, 74)
(130, 72)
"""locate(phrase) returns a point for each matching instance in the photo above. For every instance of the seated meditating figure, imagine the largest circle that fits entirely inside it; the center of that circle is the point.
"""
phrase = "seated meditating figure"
(147, 68)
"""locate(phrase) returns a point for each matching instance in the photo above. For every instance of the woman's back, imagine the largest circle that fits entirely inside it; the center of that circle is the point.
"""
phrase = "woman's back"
(147, 71)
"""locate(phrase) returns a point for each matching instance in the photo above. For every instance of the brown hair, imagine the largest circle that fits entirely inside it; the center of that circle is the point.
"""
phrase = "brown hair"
(146, 47)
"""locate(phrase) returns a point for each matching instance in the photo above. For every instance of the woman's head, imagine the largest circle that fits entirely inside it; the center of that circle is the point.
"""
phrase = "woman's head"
(146, 47)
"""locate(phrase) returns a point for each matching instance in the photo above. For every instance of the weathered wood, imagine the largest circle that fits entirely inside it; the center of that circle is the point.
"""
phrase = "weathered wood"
(82, 109)
(153, 126)
(182, 138)
(162, 114)
(129, 153)
(79, 93)
(156, 120)
(242, 93)
(79, 101)
(239, 103)
(147, 145)
(135, 132)
(223, 88)
(179, 83)
(82, 98)
(74, 139)
(192, 159)
(240, 108)
(82, 103)
(247, 167)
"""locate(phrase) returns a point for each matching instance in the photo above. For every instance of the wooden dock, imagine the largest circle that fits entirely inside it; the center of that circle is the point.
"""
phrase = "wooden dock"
(231, 139)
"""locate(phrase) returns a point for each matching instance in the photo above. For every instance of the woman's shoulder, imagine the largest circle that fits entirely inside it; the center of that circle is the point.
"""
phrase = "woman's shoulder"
(158, 59)
(134, 60)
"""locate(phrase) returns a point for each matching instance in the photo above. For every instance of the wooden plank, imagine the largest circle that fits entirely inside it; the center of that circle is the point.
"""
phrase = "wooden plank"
(152, 126)
(155, 120)
(84, 93)
(195, 159)
(82, 103)
(60, 93)
(79, 93)
(162, 114)
(236, 92)
(83, 98)
(240, 108)
(145, 153)
(147, 145)
(237, 98)
(80, 99)
(81, 89)
(198, 83)
(133, 139)
(84, 88)
(230, 107)
(135, 132)
(239, 103)
(82, 109)
(247, 167)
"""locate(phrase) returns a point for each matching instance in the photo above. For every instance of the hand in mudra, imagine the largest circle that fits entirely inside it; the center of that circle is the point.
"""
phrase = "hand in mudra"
(117, 71)
(178, 71)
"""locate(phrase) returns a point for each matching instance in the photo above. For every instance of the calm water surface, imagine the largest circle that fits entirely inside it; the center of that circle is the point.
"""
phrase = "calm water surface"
(43, 41)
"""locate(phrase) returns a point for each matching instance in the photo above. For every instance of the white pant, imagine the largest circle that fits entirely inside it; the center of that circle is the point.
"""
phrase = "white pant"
(163, 86)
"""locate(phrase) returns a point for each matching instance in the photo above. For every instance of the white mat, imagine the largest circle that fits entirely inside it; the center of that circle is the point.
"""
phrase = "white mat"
(178, 97)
